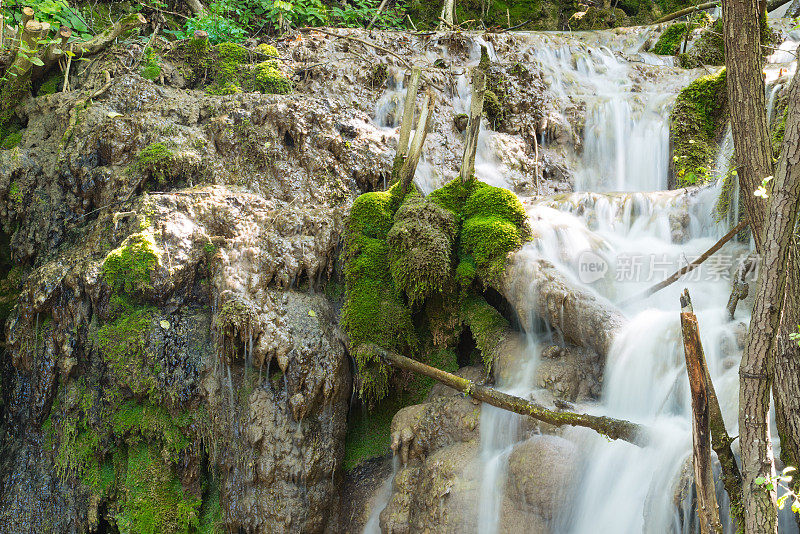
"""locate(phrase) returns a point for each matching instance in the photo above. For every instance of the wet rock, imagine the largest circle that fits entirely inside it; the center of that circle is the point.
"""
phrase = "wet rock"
(541, 471)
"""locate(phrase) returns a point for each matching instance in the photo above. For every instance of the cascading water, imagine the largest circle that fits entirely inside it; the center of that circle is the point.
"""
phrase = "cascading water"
(625, 96)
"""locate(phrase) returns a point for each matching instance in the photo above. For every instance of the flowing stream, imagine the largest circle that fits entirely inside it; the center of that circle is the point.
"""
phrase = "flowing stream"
(640, 239)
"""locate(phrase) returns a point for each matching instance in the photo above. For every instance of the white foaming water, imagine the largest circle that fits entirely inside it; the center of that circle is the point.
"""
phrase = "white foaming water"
(643, 238)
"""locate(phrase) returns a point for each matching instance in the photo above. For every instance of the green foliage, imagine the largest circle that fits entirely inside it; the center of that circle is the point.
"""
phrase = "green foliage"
(151, 65)
(56, 12)
(156, 161)
(360, 13)
(128, 268)
(216, 24)
(267, 50)
(783, 481)
(152, 498)
(697, 118)
(669, 42)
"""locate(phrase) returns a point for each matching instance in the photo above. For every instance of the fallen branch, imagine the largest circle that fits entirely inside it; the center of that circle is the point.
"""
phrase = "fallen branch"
(709, 419)
(613, 428)
(79, 106)
(687, 11)
(100, 42)
(691, 266)
(707, 508)
(412, 82)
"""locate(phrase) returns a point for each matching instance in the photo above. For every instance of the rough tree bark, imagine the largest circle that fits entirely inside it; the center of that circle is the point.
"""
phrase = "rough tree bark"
(411, 82)
(613, 428)
(755, 372)
(786, 366)
(699, 386)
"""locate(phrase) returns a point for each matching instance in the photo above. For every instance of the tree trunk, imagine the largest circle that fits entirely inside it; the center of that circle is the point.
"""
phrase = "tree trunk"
(699, 385)
(415, 151)
(786, 366)
(742, 36)
(757, 366)
(613, 428)
(412, 82)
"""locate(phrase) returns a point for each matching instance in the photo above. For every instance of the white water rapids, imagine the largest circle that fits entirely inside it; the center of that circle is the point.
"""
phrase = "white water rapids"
(640, 240)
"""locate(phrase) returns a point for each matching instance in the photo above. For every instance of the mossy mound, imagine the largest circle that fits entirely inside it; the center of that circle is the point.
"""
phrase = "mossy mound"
(596, 18)
(421, 248)
(669, 42)
(128, 269)
(698, 119)
(234, 71)
(402, 257)
(10, 135)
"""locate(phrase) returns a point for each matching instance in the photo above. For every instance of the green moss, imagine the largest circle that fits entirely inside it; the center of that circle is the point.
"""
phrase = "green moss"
(487, 325)
(777, 132)
(596, 18)
(466, 271)
(135, 421)
(698, 118)
(268, 79)
(420, 248)
(15, 193)
(10, 135)
(492, 108)
(378, 74)
(228, 88)
(669, 42)
(152, 499)
(211, 513)
(227, 68)
(708, 49)
(123, 343)
(488, 200)
(267, 50)
(151, 65)
(128, 269)
(157, 161)
(52, 85)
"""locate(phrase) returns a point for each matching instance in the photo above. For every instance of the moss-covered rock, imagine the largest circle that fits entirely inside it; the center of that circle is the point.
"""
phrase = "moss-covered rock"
(669, 42)
(708, 49)
(421, 248)
(128, 269)
(697, 121)
(596, 18)
(413, 253)
(267, 78)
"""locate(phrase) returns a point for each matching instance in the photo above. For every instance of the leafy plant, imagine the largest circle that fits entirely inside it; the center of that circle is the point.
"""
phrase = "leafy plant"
(361, 12)
(55, 12)
(771, 483)
(151, 65)
(216, 23)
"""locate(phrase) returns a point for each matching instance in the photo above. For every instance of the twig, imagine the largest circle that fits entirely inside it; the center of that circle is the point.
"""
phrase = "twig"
(411, 22)
(690, 267)
(516, 26)
(65, 87)
(356, 39)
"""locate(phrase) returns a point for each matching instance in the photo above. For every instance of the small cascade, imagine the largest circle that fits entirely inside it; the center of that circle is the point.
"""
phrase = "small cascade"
(380, 501)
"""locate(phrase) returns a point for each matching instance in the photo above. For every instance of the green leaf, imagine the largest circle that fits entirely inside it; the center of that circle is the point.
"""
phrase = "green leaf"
(38, 62)
(759, 481)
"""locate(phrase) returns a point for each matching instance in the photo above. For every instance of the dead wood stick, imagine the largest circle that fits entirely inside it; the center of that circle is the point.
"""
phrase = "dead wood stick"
(412, 82)
(377, 13)
(699, 376)
(65, 87)
(109, 35)
(707, 508)
(613, 428)
(687, 11)
(475, 115)
(362, 41)
(415, 151)
(692, 266)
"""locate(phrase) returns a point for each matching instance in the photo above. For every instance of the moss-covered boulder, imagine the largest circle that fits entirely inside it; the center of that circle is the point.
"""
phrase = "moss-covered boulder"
(237, 69)
(697, 122)
(708, 49)
(669, 42)
(410, 262)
